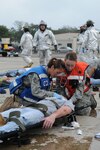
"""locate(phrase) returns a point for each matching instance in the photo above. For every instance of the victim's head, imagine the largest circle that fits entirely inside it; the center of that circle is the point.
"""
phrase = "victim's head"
(55, 67)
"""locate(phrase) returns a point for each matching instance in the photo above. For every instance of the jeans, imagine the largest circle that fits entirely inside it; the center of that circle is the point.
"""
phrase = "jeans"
(28, 116)
(95, 82)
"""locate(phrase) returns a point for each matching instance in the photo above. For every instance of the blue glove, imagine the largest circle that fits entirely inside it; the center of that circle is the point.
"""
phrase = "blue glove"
(56, 95)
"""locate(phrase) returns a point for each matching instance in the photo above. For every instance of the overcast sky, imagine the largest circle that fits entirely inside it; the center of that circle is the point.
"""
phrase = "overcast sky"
(57, 13)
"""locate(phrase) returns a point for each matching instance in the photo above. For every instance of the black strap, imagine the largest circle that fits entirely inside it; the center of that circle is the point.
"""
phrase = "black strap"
(14, 113)
(57, 106)
(42, 107)
(14, 116)
(18, 122)
(81, 107)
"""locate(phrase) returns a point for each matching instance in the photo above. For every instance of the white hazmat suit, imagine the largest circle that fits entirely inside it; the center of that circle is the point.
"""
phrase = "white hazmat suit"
(43, 40)
(91, 41)
(26, 44)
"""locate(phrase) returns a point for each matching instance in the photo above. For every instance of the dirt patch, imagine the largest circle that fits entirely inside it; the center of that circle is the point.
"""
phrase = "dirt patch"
(51, 142)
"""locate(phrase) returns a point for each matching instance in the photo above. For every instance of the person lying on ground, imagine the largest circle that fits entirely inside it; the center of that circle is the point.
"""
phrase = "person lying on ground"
(4, 84)
(53, 105)
(32, 115)
(93, 70)
(13, 73)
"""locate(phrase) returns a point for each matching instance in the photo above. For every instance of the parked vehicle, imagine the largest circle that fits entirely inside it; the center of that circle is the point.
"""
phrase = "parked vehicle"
(63, 49)
(11, 48)
(6, 48)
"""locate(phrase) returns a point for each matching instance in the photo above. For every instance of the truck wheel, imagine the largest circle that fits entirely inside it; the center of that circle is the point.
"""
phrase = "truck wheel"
(4, 54)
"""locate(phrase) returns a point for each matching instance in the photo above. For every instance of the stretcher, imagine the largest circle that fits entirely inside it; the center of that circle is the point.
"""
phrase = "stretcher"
(14, 130)
(20, 134)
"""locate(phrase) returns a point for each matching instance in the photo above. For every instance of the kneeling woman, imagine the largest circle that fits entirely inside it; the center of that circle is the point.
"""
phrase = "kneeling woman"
(34, 84)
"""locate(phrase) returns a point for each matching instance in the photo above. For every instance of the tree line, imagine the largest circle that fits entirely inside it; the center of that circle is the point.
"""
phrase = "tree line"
(16, 32)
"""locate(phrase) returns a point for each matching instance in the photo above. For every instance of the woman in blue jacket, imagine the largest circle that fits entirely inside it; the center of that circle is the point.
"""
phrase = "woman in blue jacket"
(34, 84)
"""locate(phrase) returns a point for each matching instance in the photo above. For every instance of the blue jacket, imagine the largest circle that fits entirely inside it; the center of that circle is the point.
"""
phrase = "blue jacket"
(26, 91)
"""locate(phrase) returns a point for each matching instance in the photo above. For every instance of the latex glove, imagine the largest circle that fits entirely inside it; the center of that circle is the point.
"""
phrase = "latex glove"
(56, 95)
(73, 99)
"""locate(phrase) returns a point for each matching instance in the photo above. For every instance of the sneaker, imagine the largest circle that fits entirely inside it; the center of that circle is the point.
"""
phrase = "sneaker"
(95, 89)
(97, 136)
(93, 102)
(28, 66)
(25, 67)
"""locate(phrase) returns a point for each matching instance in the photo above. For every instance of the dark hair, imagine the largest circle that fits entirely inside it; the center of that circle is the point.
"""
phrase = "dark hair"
(41, 28)
(90, 23)
(82, 28)
(57, 63)
(26, 29)
(71, 56)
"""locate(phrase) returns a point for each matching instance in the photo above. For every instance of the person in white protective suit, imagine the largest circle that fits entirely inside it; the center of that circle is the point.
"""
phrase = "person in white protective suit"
(80, 40)
(26, 44)
(43, 40)
(91, 40)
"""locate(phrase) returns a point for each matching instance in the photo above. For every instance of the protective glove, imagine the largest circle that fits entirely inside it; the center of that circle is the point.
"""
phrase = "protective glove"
(55, 47)
(73, 99)
(34, 49)
(56, 95)
(19, 47)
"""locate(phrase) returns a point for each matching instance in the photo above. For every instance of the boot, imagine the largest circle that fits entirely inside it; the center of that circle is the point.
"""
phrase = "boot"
(2, 120)
(93, 102)
(93, 113)
(8, 103)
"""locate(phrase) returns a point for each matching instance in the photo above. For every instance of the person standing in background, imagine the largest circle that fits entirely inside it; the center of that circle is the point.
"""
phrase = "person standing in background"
(91, 40)
(26, 44)
(43, 40)
(80, 40)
